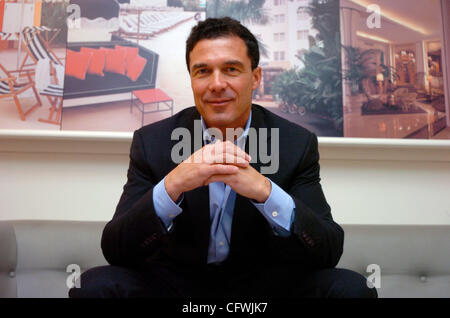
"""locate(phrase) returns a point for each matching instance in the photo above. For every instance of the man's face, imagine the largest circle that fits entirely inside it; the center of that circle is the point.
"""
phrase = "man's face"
(222, 81)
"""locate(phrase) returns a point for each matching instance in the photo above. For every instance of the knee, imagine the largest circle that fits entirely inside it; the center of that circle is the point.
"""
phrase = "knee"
(97, 282)
(350, 284)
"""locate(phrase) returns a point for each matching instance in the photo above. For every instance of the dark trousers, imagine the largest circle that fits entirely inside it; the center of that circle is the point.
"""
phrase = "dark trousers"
(270, 282)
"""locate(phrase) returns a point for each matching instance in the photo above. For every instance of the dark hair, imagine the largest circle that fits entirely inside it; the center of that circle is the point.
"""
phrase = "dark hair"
(213, 28)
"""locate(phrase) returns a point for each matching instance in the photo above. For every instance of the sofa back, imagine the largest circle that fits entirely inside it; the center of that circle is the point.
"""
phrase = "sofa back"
(414, 261)
(35, 255)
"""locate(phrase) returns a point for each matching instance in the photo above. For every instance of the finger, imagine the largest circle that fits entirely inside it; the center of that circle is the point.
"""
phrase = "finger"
(230, 159)
(235, 150)
(220, 169)
(221, 151)
(225, 178)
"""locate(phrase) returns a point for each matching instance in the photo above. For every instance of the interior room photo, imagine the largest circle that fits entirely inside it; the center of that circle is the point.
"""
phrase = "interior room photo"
(395, 60)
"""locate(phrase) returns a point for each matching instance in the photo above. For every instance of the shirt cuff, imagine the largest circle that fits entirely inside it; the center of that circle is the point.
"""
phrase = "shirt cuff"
(165, 208)
(278, 210)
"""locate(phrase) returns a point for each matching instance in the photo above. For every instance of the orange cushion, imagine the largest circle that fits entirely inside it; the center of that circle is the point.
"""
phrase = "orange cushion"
(77, 64)
(115, 60)
(136, 67)
(97, 61)
(132, 52)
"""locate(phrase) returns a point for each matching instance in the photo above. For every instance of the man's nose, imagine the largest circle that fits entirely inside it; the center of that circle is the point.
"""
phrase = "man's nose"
(217, 83)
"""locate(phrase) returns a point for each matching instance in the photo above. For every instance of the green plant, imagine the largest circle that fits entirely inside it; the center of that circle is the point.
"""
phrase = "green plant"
(318, 85)
(54, 16)
(191, 5)
(244, 11)
(355, 70)
(358, 65)
(283, 84)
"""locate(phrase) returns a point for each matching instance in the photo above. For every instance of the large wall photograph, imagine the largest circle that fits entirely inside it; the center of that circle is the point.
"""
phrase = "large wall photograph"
(116, 65)
(394, 68)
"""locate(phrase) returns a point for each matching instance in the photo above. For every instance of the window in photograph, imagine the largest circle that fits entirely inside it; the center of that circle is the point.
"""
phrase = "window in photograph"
(302, 34)
(302, 13)
(279, 37)
(279, 18)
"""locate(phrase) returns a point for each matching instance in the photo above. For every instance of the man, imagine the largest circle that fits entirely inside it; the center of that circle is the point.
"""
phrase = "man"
(214, 225)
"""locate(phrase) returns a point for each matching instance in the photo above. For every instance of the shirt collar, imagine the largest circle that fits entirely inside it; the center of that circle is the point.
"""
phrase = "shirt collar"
(240, 142)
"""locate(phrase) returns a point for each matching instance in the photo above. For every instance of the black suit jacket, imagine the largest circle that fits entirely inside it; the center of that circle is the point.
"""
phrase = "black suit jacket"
(135, 236)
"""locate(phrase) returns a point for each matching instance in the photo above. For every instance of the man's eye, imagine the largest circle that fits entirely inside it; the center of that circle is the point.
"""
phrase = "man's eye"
(232, 69)
(202, 71)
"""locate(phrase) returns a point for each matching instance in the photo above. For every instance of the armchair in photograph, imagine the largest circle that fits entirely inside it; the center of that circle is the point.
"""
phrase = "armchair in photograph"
(375, 99)
(404, 98)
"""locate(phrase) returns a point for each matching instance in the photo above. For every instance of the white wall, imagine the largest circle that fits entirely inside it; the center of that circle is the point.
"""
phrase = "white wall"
(79, 176)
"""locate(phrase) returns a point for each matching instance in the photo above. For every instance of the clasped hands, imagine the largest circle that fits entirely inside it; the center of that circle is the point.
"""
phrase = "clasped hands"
(219, 162)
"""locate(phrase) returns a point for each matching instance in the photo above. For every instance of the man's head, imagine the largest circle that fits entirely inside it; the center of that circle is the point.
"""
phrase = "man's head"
(223, 27)
(222, 58)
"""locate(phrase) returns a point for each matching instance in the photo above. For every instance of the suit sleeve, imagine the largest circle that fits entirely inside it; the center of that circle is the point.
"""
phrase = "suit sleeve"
(316, 240)
(135, 231)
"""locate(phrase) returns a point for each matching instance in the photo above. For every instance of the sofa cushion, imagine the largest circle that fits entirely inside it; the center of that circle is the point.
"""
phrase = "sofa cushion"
(97, 63)
(135, 68)
(131, 54)
(115, 61)
(111, 83)
(77, 64)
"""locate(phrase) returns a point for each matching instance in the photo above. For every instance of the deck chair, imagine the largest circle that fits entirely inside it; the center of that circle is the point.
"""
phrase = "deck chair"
(6, 35)
(10, 87)
(36, 47)
(53, 89)
(54, 94)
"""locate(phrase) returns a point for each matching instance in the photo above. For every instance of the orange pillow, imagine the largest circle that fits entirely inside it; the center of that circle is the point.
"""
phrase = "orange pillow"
(115, 60)
(97, 61)
(77, 64)
(136, 67)
(132, 52)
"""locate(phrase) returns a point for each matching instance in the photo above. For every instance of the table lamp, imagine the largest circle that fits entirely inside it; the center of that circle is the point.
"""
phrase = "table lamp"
(380, 80)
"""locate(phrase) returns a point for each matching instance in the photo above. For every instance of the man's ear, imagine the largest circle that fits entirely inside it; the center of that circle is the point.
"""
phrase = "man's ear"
(257, 74)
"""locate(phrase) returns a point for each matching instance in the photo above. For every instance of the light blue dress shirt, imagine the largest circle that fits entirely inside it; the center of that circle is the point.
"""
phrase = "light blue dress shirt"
(278, 208)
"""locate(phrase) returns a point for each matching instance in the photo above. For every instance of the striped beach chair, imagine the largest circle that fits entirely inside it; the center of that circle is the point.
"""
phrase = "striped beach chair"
(36, 47)
(4, 36)
(54, 94)
(11, 88)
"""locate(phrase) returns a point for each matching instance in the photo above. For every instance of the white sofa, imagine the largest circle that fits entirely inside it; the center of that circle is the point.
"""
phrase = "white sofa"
(414, 261)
